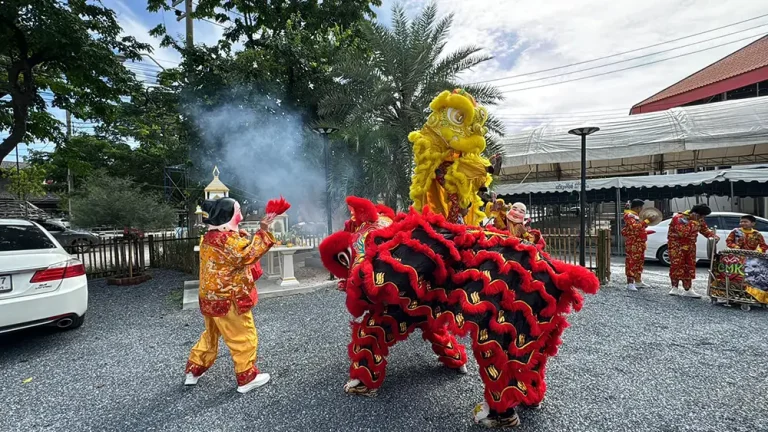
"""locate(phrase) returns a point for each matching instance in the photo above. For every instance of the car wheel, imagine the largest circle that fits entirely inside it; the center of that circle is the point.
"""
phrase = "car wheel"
(663, 256)
(81, 245)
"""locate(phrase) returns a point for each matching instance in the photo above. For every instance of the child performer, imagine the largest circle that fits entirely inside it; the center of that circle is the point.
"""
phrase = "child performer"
(746, 236)
(635, 239)
(228, 262)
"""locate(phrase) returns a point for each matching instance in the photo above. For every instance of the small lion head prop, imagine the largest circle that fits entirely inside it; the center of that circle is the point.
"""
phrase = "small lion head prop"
(341, 250)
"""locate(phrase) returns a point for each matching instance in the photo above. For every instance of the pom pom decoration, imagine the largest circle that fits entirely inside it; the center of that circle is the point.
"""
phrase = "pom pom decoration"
(275, 207)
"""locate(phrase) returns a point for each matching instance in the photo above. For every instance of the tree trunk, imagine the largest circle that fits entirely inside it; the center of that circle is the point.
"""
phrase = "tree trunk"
(21, 99)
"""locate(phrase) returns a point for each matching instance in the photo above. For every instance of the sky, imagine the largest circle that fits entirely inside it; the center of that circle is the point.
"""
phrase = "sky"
(526, 37)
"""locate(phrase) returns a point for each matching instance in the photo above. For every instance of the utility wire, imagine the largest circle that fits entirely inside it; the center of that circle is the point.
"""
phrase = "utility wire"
(621, 53)
(630, 67)
(632, 59)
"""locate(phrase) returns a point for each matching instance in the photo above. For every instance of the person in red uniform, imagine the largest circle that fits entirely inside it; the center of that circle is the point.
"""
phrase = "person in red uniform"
(684, 229)
(635, 239)
(746, 236)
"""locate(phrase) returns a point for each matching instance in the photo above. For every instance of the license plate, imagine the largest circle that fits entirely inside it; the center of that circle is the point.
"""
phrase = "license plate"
(5, 283)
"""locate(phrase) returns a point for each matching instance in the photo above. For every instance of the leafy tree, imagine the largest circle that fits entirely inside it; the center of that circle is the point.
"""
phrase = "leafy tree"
(258, 23)
(84, 154)
(26, 183)
(119, 202)
(290, 43)
(64, 48)
(378, 99)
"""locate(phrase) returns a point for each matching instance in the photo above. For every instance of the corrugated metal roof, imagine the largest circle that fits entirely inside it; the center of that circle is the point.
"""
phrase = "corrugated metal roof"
(751, 57)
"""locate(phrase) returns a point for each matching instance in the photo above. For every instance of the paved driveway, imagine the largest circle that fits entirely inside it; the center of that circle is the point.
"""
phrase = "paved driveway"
(642, 362)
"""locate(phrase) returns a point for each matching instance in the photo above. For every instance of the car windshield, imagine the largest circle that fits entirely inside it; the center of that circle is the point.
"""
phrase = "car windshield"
(23, 237)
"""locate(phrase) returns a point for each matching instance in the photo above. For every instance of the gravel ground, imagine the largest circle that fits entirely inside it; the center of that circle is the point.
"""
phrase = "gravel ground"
(640, 361)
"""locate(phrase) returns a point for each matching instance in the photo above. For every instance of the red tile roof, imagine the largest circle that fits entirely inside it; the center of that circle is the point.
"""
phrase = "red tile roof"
(751, 57)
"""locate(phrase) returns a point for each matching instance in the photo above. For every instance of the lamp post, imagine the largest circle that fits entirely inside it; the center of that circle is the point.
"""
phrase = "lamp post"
(325, 131)
(583, 132)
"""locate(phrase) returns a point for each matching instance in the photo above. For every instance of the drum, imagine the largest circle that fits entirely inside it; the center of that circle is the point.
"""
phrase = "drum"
(746, 273)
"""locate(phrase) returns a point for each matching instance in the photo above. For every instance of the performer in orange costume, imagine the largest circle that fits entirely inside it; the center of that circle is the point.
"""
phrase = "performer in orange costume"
(228, 292)
(684, 229)
(635, 239)
(746, 236)
(520, 226)
(516, 220)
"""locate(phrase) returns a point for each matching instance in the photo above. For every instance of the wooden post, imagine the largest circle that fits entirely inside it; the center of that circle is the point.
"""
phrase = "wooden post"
(130, 259)
(152, 251)
(116, 258)
(603, 270)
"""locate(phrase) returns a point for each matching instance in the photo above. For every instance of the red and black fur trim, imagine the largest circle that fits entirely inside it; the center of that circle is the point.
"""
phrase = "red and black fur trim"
(448, 279)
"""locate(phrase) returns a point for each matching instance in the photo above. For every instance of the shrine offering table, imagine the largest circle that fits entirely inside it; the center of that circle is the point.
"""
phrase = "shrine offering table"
(282, 258)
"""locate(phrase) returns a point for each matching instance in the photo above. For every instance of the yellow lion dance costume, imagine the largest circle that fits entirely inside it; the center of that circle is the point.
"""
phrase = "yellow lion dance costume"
(449, 167)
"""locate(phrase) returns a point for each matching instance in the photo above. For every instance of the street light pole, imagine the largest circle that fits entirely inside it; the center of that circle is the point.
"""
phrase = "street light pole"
(325, 131)
(583, 203)
(583, 132)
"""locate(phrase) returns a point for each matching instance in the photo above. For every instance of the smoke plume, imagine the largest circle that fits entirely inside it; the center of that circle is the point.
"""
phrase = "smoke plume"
(259, 147)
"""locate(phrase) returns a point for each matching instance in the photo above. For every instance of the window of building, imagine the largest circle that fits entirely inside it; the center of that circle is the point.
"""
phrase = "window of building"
(745, 92)
(762, 88)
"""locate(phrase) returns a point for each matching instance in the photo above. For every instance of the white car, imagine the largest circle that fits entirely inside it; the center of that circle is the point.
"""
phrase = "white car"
(40, 283)
(724, 222)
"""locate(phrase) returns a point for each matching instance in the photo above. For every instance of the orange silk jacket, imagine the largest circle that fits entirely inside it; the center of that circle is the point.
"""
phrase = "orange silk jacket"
(747, 240)
(226, 261)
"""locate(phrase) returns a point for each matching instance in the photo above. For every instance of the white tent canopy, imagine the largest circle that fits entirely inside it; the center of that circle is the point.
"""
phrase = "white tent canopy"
(734, 175)
(710, 126)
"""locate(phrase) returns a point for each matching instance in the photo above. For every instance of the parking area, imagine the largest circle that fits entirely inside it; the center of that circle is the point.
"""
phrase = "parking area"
(640, 361)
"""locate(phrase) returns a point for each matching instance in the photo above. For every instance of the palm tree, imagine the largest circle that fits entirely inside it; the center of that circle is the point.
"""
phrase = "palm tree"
(384, 94)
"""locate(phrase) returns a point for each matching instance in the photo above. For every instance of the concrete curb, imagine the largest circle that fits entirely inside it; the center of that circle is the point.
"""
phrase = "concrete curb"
(273, 293)
(191, 288)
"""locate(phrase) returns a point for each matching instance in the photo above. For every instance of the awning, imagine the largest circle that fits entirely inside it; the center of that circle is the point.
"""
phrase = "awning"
(710, 126)
(660, 186)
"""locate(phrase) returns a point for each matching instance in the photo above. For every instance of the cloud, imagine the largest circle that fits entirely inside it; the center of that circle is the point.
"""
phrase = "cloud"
(527, 36)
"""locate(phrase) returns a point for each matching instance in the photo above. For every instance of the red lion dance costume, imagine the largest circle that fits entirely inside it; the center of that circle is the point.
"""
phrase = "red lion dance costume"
(408, 271)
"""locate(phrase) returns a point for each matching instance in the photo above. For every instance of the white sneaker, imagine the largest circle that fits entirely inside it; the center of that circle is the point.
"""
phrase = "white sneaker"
(631, 287)
(191, 379)
(259, 381)
(463, 369)
(642, 285)
(690, 293)
(674, 291)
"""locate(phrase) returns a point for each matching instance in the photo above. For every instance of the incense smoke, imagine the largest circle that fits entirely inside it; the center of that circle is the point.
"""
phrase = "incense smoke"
(261, 153)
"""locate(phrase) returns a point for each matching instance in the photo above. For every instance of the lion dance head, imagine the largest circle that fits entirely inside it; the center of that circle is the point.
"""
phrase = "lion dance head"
(447, 150)
(341, 250)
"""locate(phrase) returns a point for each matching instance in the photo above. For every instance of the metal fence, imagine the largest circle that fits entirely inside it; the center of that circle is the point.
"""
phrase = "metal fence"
(112, 257)
(120, 257)
(563, 220)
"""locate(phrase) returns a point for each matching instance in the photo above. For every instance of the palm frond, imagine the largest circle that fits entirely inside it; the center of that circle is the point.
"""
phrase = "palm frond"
(485, 93)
